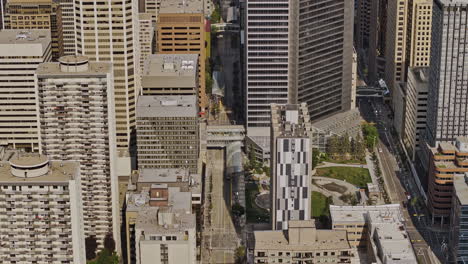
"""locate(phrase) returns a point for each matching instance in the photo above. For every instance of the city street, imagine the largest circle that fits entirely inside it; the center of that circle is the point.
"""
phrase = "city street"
(220, 238)
(399, 182)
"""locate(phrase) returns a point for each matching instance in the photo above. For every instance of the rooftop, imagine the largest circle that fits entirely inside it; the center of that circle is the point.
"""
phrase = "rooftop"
(145, 16)
(170, 70)
(181, 6)
(460, 183)
(167, 106)
(357, 213)
(54, 69)
(421, 73)
(166, 220)
(290, 120)
(177, 200)
(59, 171)
(393, 239)
(310, 238)
(12, 39)
(163, 175)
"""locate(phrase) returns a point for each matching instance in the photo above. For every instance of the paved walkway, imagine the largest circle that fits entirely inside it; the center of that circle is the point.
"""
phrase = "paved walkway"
(326, 164)
(370, 165)
(320, 181)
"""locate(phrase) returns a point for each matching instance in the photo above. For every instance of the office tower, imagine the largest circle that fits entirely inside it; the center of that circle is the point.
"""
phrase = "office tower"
(377, 41)
(363, 24)
(170, 74)
(303, 241)
(181, 30)
(295, 53)
(416, 109)
(445, 162)
(291, 164)
(68, 26)
(168, 132)
(448, 73)
(160, 225)
(37, 14)
(105, 31)
(152, 7)
(408, 38)
(21, 51)
(77, 122)
(145, 38)
(459, 220)
(40, 210)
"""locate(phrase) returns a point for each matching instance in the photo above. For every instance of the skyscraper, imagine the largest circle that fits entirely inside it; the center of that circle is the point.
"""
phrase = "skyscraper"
(37, 14)
(295, 53)
(408, 38)
(448, 93)
(21, 51)
(291, 164)
(77, 122)
(105, 32)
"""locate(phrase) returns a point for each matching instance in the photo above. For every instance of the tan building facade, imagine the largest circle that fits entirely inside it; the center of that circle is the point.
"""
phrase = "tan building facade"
(145, 38)
(37, 14)
(182, 31)
(408, 38)
(110, 37)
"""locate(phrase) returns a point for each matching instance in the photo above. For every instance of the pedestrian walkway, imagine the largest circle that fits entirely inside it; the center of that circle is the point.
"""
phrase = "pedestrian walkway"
(326, 164)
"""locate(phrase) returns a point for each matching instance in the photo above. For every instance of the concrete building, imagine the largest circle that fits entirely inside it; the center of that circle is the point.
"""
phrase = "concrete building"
(408, 38)
(2, 13)
(354, 220)
(77, 122)
(363, 23)
(37, 14)
(181, 30)
(160, 225)
(447, 96)
(21, 51)
(446, 162)
(181, 178)
(291, 164)
(40, 210)
(399, 106)
(303, 243)
(168, 132)
(458, 244)
(170, 74)
(152, 7)
(109, 36)
(291, 58)
(416, 109)
(146, 38)
(68, 26)
(389, 241)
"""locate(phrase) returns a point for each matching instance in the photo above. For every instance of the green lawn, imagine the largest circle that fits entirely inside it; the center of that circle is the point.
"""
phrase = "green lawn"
(254, 213)
(357, 176)
(352, 161)
(320, 205)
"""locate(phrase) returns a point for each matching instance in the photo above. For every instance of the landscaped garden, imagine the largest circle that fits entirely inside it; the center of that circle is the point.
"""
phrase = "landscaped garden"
(255, 214)
(320, 205)
(357, 176)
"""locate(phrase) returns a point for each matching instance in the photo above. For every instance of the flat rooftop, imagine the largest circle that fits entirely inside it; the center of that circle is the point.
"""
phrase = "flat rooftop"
(59, 172)
(23, 37)
(52, 69)
(145, 16)
(163, 175)
(167, 106)
(340, 214)
(181, 6)
(393, 238)
(170, 70)
(174, 221)
(460, 183)
(178, 200)
(421, 73)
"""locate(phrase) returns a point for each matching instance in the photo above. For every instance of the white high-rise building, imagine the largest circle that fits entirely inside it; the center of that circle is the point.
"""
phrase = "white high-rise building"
(106, 32)
(291, 164)
(40, 210)
(77, 122)
(21, 51)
